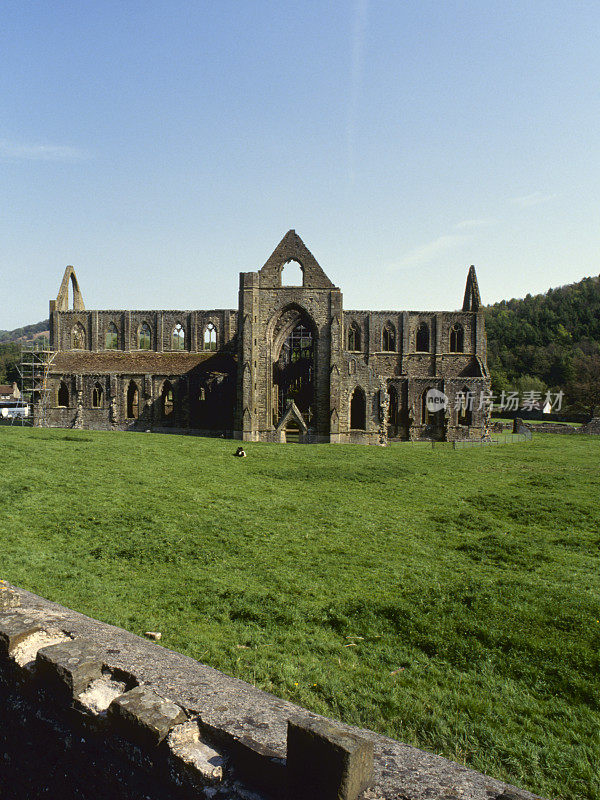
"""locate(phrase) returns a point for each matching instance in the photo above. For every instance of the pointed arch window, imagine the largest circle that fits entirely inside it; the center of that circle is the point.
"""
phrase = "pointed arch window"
(62, 399)
(358, 410)
(144, 337)
(457, 338)
(111, 338)
(210, 337)
(354, 337)
(393, 407)
(423, 338)
(167, 403)
(388, 338)
(178, 338)
(97, 395)
(78, 337)
(293, 373)
(292, 273)
(133, 400)
(428, 417)
(464, 400)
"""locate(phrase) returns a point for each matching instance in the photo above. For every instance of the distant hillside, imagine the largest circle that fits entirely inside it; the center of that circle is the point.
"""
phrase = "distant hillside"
(26, 334)
(10, 348)
(552, 338)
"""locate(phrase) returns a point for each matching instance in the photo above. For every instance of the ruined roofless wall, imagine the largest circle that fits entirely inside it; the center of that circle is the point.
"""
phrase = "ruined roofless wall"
(92, 711)
(360, 376)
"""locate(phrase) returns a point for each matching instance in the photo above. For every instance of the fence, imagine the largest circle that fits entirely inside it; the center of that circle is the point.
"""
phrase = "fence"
(504, 438)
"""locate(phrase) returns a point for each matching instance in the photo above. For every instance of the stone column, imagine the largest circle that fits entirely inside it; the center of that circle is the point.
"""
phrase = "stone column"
(159, 345)
(246, 422)
(95, 332)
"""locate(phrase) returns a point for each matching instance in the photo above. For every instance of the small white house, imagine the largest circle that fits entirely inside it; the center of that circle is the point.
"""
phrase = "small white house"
(9, 392)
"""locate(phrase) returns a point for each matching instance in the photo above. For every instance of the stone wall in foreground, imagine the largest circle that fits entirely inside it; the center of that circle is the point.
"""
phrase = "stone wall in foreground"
(92, 711)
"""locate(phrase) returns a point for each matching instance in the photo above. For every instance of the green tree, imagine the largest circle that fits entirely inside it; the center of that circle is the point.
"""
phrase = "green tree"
(584, 389)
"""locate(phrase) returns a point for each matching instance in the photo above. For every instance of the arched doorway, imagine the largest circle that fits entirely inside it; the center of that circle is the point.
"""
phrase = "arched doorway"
(358, 410)
(133, 401)
(63, 395)
(167, 402)
(293, 367)
(393, 411)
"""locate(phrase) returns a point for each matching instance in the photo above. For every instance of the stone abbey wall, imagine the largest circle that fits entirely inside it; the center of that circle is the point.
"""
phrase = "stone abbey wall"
(91, 711)
(290, 362)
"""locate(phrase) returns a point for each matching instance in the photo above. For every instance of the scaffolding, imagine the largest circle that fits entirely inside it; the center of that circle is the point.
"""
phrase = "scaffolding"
(36, 358)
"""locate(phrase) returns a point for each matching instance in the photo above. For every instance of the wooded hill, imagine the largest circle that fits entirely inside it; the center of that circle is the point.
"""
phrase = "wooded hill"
(10, 348)
(27, 333)
(549, 340)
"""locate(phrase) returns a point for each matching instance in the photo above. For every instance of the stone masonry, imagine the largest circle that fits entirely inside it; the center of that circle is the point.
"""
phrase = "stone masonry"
(291, 364)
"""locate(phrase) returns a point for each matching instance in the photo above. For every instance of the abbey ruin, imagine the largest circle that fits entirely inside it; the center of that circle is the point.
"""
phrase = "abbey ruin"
(291, 364)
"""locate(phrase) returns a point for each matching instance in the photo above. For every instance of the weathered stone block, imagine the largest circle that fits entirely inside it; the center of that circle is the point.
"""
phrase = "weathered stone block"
(70, 665)
(144, 716)
(14, 628)
(194, 761)
(326, 762)
(8, 598)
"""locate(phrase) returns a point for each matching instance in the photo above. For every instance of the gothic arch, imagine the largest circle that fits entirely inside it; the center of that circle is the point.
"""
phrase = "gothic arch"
(354, 337)
(111, 337)
(144, 337)
(292, 273)
(62, 396)
(209, 337)
(465, 407)
(78, 337)
(457, 338)
(62, 299)
(388, 338)
(284, 321)
(97, 396)
(291, 247)
(178, 337)
(167, 401)
(293, 342)
(358, 409)
(422, 343)
(133, 400)
(393, 408)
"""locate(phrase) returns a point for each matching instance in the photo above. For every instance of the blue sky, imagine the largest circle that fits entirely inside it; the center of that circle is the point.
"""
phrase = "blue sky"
(162, 148)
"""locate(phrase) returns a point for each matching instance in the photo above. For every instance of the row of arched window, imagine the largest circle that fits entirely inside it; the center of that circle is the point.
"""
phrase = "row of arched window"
(144, 337)
(388, 337)
(456, 338)
(358, 404)
(358, 407)
(133, 394)
(166, 401)
(423, 339)
(62, 395)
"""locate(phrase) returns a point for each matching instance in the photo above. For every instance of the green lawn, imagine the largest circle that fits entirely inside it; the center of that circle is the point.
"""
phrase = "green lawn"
(450, 599)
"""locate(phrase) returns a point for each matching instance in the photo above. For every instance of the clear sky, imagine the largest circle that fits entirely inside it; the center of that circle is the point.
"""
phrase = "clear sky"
(163, 147)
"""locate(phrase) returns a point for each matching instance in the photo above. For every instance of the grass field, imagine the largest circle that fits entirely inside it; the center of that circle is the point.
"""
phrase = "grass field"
(450, 599)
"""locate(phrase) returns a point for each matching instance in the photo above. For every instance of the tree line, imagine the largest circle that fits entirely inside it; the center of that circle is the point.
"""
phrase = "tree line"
(547, 342)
